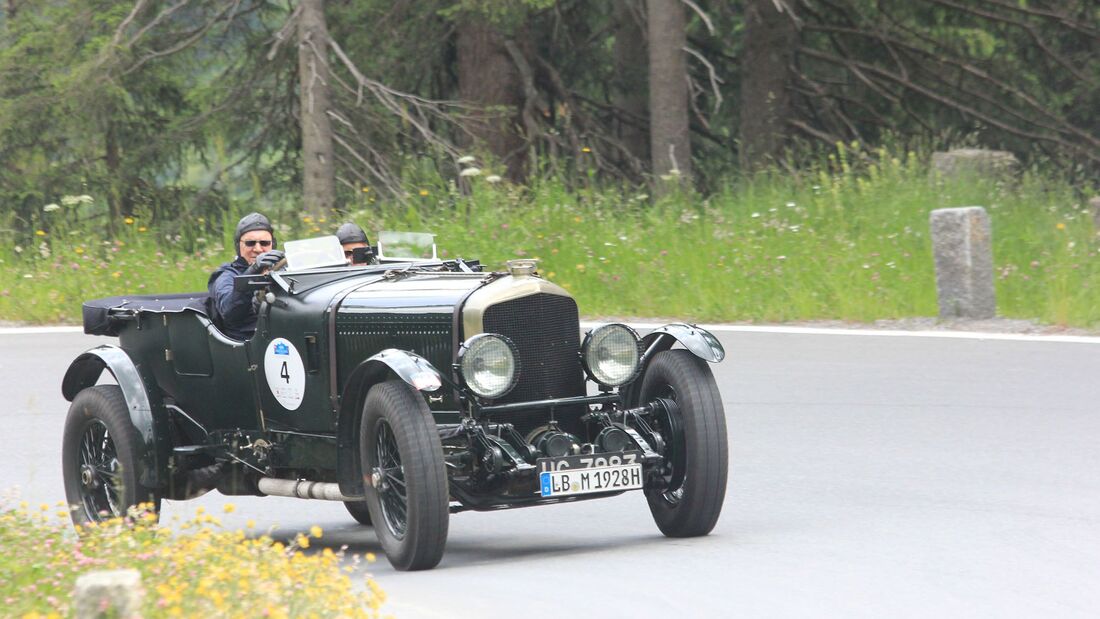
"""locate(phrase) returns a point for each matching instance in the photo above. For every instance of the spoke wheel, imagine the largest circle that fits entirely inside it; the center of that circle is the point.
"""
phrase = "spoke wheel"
(100, 461)
(691, 484)
(404, 476)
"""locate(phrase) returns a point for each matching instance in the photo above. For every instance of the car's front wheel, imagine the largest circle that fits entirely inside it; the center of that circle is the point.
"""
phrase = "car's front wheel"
(404, 476)
(100, 458)
(688, 495)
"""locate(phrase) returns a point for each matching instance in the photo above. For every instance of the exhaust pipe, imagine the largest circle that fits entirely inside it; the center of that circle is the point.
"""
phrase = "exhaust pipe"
(302, 489)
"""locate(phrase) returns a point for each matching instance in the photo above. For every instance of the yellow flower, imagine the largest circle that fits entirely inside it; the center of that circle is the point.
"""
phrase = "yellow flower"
(424, 193)
(371, 558)
(577, 219)
(44, 507)
(250, 524)
(79, 250)
(229, 508)
(40, 233)
(315, 531)
(580, 267)
(586, 150)
(141, 229)
(366, 189)
(1060, 226)
(129, 221)
(302, 541)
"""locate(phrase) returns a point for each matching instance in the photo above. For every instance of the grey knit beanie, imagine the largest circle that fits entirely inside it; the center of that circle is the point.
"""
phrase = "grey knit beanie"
(250, 222)
(351, 233)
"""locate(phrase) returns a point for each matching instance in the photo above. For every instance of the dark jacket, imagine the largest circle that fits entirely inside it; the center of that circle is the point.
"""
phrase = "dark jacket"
(235, 314)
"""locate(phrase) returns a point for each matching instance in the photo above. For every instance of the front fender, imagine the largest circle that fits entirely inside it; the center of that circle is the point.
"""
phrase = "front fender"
(697, 340)
(85, 370)
(409, 367)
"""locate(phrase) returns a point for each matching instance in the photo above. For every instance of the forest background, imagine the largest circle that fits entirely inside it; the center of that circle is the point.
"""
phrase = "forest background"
(754, 160)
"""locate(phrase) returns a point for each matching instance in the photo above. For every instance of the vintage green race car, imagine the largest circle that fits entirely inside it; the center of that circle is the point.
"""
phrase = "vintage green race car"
(409, 389)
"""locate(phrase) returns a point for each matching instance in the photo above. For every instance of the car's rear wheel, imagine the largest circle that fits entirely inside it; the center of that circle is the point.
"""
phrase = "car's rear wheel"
(405, 478)
(100, 458)
(359, 511)
(687, 499)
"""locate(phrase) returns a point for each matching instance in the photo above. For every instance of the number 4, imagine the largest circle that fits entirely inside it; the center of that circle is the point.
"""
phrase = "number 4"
(284, 373)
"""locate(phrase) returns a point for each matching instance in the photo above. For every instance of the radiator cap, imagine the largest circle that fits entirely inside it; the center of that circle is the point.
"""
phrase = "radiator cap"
(523, 267)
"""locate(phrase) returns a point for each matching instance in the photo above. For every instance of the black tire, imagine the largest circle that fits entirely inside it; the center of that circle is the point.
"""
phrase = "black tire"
(359, 511)
(697, 454)
(100, 458)
(399, 445)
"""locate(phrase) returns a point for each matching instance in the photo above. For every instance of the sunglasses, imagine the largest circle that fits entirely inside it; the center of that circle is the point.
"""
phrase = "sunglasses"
(253, 243)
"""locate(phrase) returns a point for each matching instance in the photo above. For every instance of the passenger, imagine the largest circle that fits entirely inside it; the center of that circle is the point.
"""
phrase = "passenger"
(352, 237)
(256, 253)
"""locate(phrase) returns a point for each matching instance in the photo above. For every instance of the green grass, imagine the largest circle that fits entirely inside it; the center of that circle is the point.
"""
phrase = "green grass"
(832, 243)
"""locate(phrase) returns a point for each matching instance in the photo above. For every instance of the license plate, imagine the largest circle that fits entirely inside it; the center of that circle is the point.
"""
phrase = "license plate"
(570, 481)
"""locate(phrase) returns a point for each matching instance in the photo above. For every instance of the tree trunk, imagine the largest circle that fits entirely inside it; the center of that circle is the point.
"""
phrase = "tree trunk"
(669, 136)
(319, 177)
(628, 88)
(489, 79)
(771, 39)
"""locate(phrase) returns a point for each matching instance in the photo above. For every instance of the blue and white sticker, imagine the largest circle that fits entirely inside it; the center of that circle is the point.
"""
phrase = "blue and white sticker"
(286, 375)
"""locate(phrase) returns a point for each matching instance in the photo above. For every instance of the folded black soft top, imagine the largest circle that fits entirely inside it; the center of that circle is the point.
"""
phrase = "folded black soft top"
(98, 319)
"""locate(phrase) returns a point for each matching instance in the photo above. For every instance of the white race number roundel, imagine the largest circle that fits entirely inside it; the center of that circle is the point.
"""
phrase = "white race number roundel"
(286, 376)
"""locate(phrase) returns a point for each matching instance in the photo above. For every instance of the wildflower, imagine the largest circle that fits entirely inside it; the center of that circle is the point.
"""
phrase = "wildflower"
(366, 189)
(470, 172)
(466, 159)
(585, 149)
(423, 193)
(116, 275)
(79, 250)
(250, 524)
(40, 233)
(315, 531)
(302, 541)
(493, 178)
(755, 215)
(142, 228)
(581, 267)
(129, 221)
(229, 508)
(1060, 226)
(18, 249)
(49, 208)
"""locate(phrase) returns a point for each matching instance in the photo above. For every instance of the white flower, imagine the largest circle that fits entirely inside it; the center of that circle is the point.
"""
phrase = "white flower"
(70, 200)
(755, 215)
(466, 159)
(492, 178)
(470, 172)
(49, 208)
(18, 249)
(85, 199)
(28, 276)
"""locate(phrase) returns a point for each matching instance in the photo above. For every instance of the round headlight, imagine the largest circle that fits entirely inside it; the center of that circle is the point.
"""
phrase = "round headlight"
(611, 354)
(489, 365)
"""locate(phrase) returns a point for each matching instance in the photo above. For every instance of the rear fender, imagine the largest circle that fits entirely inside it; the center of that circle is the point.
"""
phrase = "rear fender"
(697, 340)
(409, 367)
(141, 401)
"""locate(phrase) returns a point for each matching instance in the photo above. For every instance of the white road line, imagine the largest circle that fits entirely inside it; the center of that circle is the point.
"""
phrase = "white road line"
(958, 335)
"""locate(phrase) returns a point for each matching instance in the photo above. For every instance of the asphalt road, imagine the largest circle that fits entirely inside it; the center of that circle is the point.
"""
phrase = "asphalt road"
(869, 476)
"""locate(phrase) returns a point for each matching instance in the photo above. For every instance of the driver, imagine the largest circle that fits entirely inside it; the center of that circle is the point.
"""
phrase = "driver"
(352, 237)
(256, 253)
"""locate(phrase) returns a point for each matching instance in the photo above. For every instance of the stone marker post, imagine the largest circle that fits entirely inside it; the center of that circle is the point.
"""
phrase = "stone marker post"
(1094, 207)
(963, 251)
(114, 593)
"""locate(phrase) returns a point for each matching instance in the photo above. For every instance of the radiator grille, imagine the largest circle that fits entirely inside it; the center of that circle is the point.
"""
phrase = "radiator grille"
(546, 330)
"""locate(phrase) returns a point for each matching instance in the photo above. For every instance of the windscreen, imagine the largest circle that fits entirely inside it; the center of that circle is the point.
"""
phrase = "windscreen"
(323, 251)
(406, 246)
